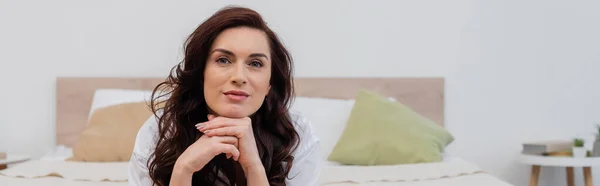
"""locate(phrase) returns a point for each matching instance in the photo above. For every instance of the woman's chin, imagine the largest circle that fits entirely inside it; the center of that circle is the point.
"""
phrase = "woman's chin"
(233, 113)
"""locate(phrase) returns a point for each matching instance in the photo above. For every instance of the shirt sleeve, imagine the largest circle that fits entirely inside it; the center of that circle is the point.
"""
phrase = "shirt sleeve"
(306, 167)
(138, 174)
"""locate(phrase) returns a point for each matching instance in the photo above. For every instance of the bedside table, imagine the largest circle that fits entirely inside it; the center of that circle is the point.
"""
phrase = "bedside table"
(12, 158)
(568, 162)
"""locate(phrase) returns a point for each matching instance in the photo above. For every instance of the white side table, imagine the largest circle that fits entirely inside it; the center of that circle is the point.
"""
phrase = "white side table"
(537, 162)
(12, 158)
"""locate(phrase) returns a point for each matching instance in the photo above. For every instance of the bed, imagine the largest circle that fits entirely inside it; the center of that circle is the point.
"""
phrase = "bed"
(76, 98)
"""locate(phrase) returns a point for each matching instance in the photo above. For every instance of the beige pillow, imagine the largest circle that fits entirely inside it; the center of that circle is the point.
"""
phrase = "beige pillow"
(110, 133)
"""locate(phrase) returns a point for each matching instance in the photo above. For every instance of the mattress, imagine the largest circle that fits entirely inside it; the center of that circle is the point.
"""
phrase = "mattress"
(450, 172)
(41, 172)
(53, 181)
(52, 169)
(479, 179)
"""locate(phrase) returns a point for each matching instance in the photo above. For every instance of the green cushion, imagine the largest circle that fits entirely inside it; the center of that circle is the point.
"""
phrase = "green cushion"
(384, 132)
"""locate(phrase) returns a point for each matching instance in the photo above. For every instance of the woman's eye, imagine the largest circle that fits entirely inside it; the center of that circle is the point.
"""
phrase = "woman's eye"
(223, 60)
(256, 64)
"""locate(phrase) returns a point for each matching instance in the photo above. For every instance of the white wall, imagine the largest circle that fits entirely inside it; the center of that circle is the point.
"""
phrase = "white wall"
(526, 70)
(515, 70)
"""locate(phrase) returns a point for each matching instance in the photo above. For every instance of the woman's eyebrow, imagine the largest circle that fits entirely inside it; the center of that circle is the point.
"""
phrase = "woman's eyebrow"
(258, 55)
(231, 53)
(223, 51)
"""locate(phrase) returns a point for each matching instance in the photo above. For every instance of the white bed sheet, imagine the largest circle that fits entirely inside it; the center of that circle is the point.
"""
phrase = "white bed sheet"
(52, 169)
(52, 181)
(478, 179)
(450, 172)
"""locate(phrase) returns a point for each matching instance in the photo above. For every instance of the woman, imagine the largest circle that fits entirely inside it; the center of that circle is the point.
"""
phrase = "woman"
(223, 118)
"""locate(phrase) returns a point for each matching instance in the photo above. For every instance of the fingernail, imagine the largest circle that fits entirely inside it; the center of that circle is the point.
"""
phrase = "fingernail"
(200, 126)
(206, 132)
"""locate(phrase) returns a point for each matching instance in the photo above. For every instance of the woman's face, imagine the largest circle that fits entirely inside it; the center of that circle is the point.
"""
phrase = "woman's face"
(238, 72)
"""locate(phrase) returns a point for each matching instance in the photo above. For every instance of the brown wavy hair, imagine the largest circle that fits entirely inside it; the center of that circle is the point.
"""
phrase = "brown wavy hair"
(179, 104)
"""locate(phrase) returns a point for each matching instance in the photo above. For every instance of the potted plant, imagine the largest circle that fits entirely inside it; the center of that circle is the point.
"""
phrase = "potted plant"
(578, 150)
(598, 132)
(596, 147)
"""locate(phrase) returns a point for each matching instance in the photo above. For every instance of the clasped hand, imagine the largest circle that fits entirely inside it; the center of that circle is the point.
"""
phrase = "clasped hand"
(240, 128)
(231, 136)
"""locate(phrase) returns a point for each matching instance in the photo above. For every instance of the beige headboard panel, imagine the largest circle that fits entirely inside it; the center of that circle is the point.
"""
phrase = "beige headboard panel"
(74, 96)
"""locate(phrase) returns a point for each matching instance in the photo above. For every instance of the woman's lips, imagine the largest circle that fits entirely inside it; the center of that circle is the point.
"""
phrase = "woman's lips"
(236, 95)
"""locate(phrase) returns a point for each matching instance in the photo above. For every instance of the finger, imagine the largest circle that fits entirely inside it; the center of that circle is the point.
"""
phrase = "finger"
(201, 125)
(227, 140)
(225, 131)
(230, 149)
(215, 123)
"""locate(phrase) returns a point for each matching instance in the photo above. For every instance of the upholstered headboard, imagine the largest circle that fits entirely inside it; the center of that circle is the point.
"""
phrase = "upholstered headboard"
(74, 96)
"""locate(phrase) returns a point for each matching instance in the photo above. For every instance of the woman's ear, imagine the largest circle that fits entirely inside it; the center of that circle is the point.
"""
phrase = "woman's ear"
(268, 91)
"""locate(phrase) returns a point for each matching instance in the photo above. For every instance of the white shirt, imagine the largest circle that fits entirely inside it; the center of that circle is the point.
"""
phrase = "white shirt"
(304, 172)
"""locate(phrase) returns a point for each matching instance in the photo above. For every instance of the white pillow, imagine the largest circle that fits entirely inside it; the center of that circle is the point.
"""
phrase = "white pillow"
(59, 153)
(328, 118)
(108, 97)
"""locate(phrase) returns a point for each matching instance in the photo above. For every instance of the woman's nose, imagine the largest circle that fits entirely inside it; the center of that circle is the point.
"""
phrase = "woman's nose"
(239, 75)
